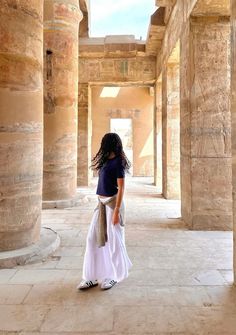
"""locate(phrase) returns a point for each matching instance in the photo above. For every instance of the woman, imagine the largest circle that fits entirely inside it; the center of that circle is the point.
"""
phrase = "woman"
(106, 258)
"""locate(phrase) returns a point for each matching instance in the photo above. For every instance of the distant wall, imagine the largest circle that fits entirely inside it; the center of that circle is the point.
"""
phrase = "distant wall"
(132, 102)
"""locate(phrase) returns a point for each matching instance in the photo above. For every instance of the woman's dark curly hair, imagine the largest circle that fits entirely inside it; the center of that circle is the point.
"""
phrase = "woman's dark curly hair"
(111, 142)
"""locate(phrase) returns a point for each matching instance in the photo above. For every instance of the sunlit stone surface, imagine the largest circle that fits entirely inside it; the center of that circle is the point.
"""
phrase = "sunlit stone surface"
(61, 28)
(21, 122)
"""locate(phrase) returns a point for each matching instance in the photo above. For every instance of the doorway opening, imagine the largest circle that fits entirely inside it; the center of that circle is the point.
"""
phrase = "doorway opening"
(128, 111)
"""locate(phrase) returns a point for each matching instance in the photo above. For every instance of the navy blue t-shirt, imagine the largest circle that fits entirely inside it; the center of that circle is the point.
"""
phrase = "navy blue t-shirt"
(108, 174)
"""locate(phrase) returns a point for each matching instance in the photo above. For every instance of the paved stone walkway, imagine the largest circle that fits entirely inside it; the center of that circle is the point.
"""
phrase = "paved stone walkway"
(180, 283)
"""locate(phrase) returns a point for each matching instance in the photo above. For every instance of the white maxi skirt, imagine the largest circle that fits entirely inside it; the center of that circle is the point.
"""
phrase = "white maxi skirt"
(110, 261)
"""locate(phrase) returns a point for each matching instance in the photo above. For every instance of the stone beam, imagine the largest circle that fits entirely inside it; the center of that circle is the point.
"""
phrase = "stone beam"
(156, 32)
(212, 8)
(168, 5)
(177, 21)
(165, 3)
(139, 70)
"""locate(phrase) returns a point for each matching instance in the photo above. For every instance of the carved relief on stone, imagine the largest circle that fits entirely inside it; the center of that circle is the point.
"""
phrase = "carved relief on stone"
(119, 69)
(69, 12)
(147, 69)
(132, 70)
(107, 68)
(49, 103)
(83, 95)
(120, 113)
(93, 70)
(124, 66)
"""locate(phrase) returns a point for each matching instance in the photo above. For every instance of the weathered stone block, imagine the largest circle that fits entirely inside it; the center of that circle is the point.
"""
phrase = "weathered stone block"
(210, 115)
(211, 184)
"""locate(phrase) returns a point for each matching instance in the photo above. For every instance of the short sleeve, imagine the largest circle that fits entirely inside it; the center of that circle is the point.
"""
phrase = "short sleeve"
(120, 171)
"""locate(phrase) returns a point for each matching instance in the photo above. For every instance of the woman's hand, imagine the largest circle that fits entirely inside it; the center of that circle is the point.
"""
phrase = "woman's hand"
(116, 218)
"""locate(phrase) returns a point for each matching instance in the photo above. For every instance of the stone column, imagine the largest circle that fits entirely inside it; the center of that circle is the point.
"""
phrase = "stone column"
(61, 27)
(84, 135)
(158, 135)
(233, 118)
(170, 132)
(155, 136)
(206, 191)
(21, 122)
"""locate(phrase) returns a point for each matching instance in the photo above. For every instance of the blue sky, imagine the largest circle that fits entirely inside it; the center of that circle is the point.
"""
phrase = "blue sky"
(120, 17)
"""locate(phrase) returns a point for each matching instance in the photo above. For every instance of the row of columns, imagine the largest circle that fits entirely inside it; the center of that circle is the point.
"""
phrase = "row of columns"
(207, 124)
(196, 125)
(27, 68)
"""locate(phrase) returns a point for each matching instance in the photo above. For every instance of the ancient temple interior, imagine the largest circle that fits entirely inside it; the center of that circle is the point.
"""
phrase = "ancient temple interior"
(172, 99)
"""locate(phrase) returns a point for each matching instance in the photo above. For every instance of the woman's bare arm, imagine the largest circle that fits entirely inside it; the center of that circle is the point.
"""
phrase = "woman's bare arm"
(119, 197)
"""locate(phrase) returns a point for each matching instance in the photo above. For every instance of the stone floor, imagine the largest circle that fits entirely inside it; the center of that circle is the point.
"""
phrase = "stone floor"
(180, 283)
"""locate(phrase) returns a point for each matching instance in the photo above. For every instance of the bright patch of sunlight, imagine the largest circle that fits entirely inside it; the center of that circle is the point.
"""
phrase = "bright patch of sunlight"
(148, 147)
(109, 92)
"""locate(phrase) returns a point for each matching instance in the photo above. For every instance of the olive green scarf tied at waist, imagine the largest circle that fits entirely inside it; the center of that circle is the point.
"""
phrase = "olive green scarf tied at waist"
(102, 237)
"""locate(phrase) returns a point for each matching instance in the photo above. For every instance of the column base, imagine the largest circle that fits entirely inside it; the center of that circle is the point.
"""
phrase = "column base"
(221, 222)
(207, 222)
(47, 245)
(67, 203)
(171, 196)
